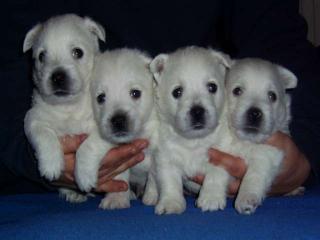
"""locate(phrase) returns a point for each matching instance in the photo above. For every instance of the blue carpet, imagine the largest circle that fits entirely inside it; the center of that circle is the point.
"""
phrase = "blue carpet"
(46, 216)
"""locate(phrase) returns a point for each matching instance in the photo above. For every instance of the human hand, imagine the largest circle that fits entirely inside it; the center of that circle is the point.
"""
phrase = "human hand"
(117, 160)
(295, 166)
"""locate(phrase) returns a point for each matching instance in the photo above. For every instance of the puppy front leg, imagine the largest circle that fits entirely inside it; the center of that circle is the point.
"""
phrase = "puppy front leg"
(47, 149)
(72, 196)
(151, 195)
(263, 165)
(88, 158)
(117, 200)
(213, 195)
(171, 191)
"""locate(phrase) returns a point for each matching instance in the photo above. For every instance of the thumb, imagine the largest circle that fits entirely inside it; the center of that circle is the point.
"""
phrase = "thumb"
(113, 186)
(70, 144)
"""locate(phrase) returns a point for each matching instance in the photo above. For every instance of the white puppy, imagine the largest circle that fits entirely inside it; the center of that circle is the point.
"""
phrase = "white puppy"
(190, 100)
(122, 93)
(258, 106)
(63, 50)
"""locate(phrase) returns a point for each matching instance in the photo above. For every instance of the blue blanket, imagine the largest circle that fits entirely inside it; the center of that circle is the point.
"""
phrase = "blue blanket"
(46, 216)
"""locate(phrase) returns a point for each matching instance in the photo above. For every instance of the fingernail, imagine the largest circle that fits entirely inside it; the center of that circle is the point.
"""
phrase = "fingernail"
(82, 137)
(133, 150)
(140, 157)
(142, 144)
(123, 187)
(211, 151)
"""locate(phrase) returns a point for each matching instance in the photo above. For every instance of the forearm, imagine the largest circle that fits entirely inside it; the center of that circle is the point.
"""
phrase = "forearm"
(19, 164)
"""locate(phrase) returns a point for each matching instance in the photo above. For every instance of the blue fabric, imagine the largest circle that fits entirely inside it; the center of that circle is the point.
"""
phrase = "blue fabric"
(45, 216)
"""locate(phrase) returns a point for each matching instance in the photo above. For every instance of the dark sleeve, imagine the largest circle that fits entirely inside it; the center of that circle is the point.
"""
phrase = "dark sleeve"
(275, 31)
(18, 166)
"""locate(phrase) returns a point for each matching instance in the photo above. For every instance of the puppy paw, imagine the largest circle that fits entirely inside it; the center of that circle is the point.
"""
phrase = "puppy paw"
(247, 203)
(208, 202)
(51, 168)
(296, 192)
(86, 175)
(87, 182)
(72, 196)
(170, 206)
(150, 198)
(117, 200)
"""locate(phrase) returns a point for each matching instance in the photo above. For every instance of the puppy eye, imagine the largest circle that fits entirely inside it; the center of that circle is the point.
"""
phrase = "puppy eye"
(212, 87)
(135, 93)
(176, 93)
(101, 98)
(77, 53)
(237, 91)
(272, 96)
(41, 56)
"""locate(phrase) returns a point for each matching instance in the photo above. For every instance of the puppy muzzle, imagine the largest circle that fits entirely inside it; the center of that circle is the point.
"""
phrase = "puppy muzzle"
(254, 118)
(197, 117)
(60, 83)
(119, 123)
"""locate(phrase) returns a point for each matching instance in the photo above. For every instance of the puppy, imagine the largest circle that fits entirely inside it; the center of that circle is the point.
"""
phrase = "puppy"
(258, 106)
(122, 97)
(63, 51)
(190, 100)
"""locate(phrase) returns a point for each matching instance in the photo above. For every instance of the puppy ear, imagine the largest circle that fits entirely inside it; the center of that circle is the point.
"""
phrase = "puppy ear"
(287, 77)
(31, 37)
(157, 65)
(223, 57)
(146, 59)
(95, 28)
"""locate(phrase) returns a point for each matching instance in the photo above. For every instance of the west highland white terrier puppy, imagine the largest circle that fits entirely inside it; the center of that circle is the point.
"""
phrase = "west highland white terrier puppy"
(258, 106)
(63, 50)
(190, 99)
(122, 97)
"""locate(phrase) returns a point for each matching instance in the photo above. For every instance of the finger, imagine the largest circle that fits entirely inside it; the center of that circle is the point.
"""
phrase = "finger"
(70, 144)
(107, 174)
(198, 179)
(234, 187)
(235, 166)
(67, 175)
(69, 162)
(112, 186)
(116, 156)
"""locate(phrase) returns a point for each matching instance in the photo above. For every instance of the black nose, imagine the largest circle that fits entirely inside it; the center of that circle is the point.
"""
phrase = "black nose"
(119, 123)
(254, 116)
(59, 81)
(197, 116)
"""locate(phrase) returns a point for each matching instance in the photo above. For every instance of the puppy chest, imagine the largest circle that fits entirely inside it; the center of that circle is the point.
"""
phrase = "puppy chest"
(72, 125)
(191, 162)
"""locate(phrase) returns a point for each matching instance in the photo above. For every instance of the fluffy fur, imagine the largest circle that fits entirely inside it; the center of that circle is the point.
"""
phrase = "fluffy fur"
(63, 50)
(190, 97)
(184, 79)
(122, 97)
(259, 85)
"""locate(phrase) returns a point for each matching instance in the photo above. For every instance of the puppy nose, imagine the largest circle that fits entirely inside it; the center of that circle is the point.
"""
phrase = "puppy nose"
(119, 122)
(254, 115)
(197, 112)
(58, 79)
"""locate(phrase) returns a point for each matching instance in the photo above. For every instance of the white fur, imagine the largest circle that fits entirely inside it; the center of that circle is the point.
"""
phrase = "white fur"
(116, 74)
(183, 154)
(53, 116)
(257, 78)
(182, 148)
